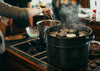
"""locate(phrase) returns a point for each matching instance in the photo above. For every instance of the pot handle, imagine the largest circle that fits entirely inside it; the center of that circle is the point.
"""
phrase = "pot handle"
(2, 46)
(89, 38)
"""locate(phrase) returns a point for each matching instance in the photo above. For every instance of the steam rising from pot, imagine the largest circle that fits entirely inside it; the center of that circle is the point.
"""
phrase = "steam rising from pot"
(69, 14)
(66, 11)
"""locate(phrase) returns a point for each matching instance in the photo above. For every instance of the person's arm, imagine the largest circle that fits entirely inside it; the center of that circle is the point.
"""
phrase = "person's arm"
(21, 13)
(12, 11)
(30, 18)
(46, 11)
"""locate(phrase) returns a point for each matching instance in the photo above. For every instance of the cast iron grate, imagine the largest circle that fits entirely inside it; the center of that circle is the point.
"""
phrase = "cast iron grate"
(34, 49)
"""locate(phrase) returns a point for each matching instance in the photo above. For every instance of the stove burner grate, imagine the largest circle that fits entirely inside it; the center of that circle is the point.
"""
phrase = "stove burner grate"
(33, 49)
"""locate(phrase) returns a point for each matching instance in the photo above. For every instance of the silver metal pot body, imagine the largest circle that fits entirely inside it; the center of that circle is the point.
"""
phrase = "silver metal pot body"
(43, 25)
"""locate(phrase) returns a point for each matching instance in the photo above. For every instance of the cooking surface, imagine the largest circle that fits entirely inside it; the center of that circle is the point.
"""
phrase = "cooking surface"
(32, 48)
(37, 53)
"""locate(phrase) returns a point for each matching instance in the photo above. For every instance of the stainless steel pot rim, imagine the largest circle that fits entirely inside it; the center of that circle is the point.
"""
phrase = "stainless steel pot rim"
(47, 21)
(86, 37)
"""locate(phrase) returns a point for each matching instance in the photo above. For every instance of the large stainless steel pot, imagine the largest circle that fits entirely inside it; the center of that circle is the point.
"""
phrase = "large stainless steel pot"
(68, 54)
(43, 25)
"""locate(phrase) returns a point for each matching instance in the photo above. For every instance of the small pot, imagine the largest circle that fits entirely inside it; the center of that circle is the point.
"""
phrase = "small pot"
(43, 25)
(32, 31)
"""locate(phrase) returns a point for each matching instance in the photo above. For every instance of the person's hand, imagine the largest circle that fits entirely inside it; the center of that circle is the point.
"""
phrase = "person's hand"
(47, 12)
(35, 11)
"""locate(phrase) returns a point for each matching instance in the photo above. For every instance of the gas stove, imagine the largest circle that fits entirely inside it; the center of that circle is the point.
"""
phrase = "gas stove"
(35, 50)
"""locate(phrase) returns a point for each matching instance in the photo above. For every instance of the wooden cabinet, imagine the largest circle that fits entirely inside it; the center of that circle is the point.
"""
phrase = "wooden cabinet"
(17, 65)
(15, 62)
(85, 3)
(12, 63)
